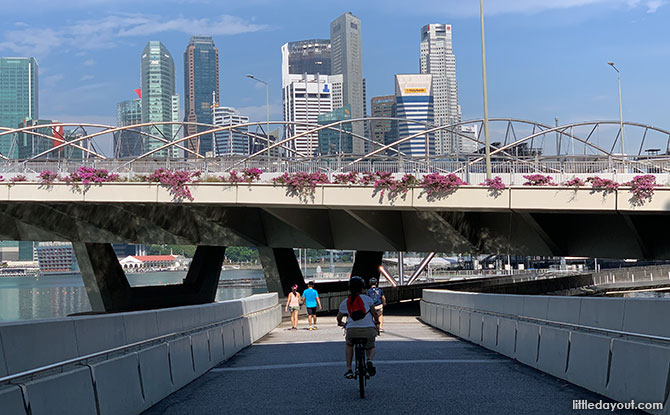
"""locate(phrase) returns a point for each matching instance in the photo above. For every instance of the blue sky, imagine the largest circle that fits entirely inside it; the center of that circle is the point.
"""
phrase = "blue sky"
(545, 59)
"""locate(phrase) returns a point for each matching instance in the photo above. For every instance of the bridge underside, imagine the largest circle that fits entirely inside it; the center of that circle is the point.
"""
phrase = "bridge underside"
(592, 234)
(92, 227)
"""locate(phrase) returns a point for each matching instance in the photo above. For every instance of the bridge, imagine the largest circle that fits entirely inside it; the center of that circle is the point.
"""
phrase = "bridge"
(160, 339)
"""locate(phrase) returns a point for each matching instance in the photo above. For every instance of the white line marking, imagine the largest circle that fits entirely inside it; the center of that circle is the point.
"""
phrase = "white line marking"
(377, 362)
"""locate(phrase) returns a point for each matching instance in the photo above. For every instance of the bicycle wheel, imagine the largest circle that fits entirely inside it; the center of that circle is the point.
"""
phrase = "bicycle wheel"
(360, 369)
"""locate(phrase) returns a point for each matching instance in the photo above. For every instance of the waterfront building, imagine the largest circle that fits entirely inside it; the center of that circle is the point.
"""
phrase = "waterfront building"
(153, 262)
(346, 59)
(383, 131)
(128, 143)
(304, 98)
(234, 141)
(438, 59)
(160, 102)
(414, 101)
(56, 257)
(201, 87)
(18, 98)
(305, 57)
(332, 141)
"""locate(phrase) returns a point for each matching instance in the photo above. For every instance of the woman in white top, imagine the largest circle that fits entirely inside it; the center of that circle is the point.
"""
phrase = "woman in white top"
(362, 322)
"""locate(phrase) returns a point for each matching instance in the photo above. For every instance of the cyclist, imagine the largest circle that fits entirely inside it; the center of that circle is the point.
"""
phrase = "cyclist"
(379, 301)
(361, 323)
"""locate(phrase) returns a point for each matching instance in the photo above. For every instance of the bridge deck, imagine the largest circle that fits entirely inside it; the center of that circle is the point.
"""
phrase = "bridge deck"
(419, 370)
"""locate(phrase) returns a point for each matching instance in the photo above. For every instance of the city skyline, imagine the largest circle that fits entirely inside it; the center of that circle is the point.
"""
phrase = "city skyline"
(544, 61)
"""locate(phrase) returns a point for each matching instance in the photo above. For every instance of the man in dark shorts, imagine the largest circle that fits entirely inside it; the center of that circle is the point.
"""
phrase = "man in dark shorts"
(311, 298)
(379, 301)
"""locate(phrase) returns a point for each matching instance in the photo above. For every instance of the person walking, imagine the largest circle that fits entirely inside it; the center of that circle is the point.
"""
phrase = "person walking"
(293, 304)
(379, 301)
(311, 299)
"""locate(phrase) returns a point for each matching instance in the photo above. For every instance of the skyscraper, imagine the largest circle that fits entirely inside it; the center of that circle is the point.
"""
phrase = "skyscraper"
(383, 131)
(233, 141)
(437, 59)
(332, 141)
(128, 143)
(305, 97)
(201, 81)
(414, 101)
(18, 98)
(305, 57)
(346, 59)
(158, 96)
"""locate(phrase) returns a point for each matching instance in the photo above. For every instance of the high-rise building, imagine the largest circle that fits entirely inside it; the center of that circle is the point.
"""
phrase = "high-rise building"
(201, 88)
(128, 143)
(383, 131)
(414, 101)
(465, 145)
(346, 59)
(158, 97)
(437, 59)
(18, 98)
(30, 145)
(305, 57)
(305, 97)
(333, 141)
(233, 141)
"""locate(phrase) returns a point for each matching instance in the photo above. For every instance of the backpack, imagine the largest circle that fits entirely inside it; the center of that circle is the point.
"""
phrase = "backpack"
(356, 310)
(376, 295)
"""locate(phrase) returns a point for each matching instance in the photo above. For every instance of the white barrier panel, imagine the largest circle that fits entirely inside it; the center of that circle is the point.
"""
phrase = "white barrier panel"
(155, 371)
(527, 338)
(605, 313)
(216, 345)
(535, 307)
(647, 316)
(564, 309)
(553, 352)
(118, 386)
(99, 333)
(181, 362)
(140, 325)
(24, 343)
(589, 356)
(65, 393)
(200, 351)
(489, 332)
(639, 371)
(11, 400)
(228, 340)
(178, 319)
(446, 318)
(506, 337)
(475, 334)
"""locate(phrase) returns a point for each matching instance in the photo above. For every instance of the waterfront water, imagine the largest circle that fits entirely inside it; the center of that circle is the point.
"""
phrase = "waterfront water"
(25, 298)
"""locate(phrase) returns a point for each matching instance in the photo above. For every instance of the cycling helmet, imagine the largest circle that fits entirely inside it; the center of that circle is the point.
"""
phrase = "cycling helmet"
(373, 281)
(356, 284)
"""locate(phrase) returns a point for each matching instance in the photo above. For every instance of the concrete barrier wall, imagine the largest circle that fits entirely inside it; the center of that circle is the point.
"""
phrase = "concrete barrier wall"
(126, 383)
(561, 336)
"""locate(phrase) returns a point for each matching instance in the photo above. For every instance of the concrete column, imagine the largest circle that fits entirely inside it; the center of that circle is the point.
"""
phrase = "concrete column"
(109, 291)
(281, 270)
(366, 264)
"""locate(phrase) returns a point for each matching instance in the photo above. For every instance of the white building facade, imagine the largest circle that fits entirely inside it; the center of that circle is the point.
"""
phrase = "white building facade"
(233, 141)
(437, 59)
(414, 101)
(305, 97)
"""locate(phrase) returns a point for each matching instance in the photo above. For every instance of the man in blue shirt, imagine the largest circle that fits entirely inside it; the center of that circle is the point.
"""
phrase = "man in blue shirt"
(311, 298)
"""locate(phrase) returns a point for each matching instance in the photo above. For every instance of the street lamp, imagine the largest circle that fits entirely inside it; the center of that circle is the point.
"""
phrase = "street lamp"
(487, 144)
(618, 75)
(267, 107)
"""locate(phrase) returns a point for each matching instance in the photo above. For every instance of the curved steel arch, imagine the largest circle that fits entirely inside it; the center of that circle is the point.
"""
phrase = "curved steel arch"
(61, 140)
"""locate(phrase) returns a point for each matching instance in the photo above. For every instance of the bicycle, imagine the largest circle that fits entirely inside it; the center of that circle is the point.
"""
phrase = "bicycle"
(360, 370)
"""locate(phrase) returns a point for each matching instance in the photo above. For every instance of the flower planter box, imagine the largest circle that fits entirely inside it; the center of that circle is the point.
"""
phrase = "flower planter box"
(4, 191)
(202, 193)
(125, 192)
(660, 201)
(35, 192)
(561, 198)
(354, 196)
(275, 195)
(464, 197)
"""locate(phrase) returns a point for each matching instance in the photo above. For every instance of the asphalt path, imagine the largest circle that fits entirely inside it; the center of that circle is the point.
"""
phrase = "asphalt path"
(419, 370)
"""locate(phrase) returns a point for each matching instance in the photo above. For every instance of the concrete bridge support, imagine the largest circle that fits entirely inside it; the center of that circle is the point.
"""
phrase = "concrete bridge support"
(281, 270)
(109, 291)
(366, 264)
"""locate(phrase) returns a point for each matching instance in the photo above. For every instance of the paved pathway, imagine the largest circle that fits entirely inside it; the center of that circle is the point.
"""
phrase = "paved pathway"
(419, 370)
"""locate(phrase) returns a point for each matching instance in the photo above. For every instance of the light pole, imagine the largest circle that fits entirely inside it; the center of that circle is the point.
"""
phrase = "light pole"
(487, 144)
(618, 75)
(267, 108)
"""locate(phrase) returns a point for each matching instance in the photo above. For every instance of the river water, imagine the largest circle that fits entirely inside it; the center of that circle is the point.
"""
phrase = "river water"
(26, 298)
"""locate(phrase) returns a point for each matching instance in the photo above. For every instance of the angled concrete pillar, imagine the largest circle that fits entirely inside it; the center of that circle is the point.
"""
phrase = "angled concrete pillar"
(109, 291)
(281, 270)
(366, 264)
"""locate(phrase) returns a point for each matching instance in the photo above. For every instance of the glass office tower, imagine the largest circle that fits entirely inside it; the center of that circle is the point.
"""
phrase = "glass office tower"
(18, 98)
